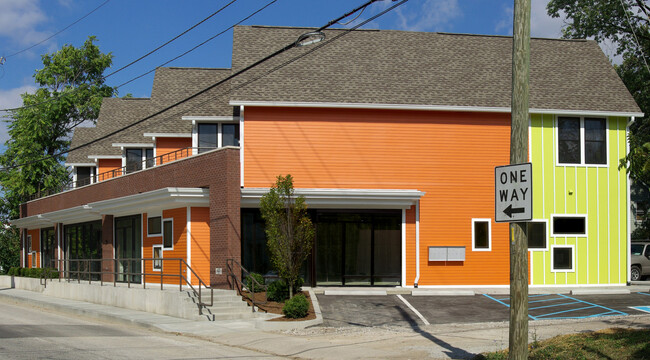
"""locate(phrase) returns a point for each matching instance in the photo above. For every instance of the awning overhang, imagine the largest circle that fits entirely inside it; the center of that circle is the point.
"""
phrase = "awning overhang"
(342, 198)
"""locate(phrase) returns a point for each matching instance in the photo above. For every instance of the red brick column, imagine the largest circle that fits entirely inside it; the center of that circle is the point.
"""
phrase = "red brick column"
(107, 247)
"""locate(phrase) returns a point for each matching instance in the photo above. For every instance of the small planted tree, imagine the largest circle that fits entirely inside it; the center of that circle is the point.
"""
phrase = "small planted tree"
(289, 231)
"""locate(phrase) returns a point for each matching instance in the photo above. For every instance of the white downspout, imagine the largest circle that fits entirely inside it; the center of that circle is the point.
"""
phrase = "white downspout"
(417, 244)
(629, 206)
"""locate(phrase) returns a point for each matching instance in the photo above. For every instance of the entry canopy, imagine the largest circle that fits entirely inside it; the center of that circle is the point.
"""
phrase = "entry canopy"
(343, 198)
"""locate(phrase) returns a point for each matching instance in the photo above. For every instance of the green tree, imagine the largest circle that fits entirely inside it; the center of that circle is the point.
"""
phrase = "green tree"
(71, 88)
(289, 230)
(9, 247)
(624, 23)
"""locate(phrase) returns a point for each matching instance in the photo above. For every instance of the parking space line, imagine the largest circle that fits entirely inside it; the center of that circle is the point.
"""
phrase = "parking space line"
(413, 309)
(600, 306)
(642, 293)
(607, 311)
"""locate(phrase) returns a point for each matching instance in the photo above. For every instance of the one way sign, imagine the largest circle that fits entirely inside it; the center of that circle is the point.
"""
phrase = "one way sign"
(513, 193)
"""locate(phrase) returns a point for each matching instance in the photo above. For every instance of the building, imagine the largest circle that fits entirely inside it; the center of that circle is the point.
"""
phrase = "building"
(391, 136)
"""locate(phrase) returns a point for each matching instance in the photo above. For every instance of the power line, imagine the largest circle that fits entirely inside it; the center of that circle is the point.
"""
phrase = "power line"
(58, 32)
(629, 23)
(60, 95)
(169, 41)
(197, 46)
(230, 77)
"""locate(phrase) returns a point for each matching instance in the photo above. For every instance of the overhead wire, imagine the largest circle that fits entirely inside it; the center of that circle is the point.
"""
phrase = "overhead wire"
(170, 40)
(58, 32)
(60, 95)
(638, 44)
(230, 77)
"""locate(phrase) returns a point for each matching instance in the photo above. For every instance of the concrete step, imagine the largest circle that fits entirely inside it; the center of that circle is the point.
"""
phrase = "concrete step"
(225, 316)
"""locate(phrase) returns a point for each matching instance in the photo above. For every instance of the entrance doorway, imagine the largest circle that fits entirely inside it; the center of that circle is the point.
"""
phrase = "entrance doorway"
(128, 245)
(358, 248)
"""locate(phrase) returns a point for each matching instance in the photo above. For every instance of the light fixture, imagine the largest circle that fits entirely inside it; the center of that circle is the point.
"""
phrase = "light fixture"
(310, 38)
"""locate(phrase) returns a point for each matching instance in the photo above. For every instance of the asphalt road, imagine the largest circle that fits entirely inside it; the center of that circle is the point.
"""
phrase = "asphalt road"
(30, 333)
(341, 311)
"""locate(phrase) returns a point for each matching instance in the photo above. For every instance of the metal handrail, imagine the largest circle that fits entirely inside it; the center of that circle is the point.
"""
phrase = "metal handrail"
(67, 273)
(237, 283)
(146, 164)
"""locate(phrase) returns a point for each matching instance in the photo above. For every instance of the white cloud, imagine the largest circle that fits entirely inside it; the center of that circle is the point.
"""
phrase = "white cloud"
(431, 15)
(20, 20)
(11, 99)
(541, 24)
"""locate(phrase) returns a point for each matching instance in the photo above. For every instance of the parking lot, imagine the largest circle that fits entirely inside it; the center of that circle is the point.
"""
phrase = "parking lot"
(411, 311)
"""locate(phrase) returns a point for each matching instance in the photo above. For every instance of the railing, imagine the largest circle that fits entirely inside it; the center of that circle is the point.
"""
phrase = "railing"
(128, 169)
(236, 283)
(92, 270)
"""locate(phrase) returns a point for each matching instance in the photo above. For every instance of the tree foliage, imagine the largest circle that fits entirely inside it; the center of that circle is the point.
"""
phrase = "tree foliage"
(626, 24)
(9, 247)
(289, 230)
(71, 88)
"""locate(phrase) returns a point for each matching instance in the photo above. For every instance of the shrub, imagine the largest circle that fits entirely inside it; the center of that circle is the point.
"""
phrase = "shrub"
(24, 272)
(297, 307)
(15, 271)
(279, 290)
(250, 285)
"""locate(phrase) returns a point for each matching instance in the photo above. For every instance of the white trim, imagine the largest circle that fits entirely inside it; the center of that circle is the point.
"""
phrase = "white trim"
(342, 198)
(546, 239)
(92, 164)
(582, 163)
(153, 252)
(156, 199)
(425, 107)
(629, 206)
(417, 243)
(188, 237)
(132, 145)
(163, 233)
(241, 145)
(210, 118)
(489, 222)
(195, 138)
(573, 259)
(105, 157)
(148, 227)
(554, 235)
(403, 281)
(167, 135)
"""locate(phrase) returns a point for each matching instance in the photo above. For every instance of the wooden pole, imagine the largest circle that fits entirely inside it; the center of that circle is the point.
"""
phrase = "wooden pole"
(518, 339)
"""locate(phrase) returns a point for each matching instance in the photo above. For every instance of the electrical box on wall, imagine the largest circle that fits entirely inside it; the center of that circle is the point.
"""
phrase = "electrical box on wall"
(217, 271)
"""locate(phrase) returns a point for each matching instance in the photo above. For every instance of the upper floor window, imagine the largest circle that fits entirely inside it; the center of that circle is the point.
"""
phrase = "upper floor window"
(208, 136)
(136, 157)
(84, 175)
(214, 135)
(230, 134)
(582, 141)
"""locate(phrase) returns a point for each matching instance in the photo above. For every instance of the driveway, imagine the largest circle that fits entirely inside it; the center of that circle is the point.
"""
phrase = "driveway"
(410, 311)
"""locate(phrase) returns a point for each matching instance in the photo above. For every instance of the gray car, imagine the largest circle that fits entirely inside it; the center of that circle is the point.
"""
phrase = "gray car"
(640, 260)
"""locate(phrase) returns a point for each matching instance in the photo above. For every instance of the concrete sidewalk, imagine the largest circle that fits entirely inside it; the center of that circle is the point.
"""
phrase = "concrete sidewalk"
(455, 341)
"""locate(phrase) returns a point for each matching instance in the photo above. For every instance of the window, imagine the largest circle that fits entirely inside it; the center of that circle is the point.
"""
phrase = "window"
(207, 137)
(29, 243)
(154, 227)
(84, 174)
(157, 254)
(481, 234)
(168, 234)
(148, 154)
(582, 141)
(571, 225)
(562, 258)
(536, 233)
(33, 259)
(230, 134)
(637, 249)
(133, 160)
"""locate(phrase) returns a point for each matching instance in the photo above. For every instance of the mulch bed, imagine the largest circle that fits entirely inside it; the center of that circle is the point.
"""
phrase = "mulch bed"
(276, 307)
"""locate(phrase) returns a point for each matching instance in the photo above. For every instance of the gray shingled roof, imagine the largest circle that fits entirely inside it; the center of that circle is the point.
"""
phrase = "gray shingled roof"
(170, 86)
(417, 68)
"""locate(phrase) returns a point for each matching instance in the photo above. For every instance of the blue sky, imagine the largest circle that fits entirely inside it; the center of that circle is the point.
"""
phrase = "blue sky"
(129, 29)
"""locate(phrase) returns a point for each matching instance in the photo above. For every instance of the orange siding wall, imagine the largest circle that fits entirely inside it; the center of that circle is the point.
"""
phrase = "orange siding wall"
(105, 165)
(36, 247)
(200, 243)
(169, 145)
(180, 246)
(449, 155)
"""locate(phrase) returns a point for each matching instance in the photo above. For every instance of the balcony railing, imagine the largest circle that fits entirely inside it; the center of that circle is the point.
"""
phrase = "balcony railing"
(128, 169)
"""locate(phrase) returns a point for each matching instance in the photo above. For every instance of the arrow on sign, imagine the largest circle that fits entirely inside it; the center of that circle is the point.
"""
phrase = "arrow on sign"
(510, 210)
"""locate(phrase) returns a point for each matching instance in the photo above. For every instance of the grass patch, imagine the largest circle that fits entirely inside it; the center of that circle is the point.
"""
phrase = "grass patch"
(613, 343)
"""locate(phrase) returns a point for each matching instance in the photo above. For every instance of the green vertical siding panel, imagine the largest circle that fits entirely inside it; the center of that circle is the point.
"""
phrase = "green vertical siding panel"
(537, 263)
(613, 208)
(592, 227)
(581, 248)
(549, 190)
(570, 192)
(571, 276)
(560, 190)
(603, 224)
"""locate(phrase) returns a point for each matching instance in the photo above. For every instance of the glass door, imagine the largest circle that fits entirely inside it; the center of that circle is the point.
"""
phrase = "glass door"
(48, 245)
(128, 245)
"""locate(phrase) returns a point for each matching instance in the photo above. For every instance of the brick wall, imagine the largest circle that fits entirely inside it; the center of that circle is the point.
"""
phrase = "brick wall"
(216, 170)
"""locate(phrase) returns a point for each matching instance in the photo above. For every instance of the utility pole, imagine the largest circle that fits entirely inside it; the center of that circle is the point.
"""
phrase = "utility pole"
(518, 340)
